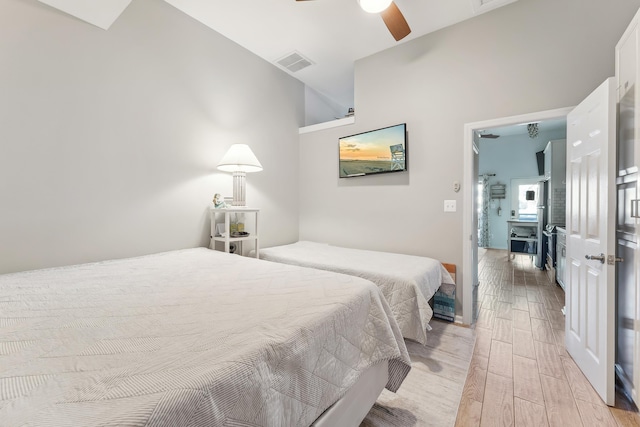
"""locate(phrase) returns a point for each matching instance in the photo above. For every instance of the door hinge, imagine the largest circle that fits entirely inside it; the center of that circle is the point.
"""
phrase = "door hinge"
(634, 209)
(612, 259)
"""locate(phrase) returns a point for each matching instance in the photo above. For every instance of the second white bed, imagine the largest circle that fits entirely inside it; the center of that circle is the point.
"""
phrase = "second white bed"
(408, 282)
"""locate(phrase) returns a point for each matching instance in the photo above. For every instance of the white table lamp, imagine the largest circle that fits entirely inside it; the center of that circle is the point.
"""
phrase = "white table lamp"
(239, 159)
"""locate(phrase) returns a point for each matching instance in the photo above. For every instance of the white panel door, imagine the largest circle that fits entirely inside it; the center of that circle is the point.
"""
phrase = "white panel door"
(591, 204)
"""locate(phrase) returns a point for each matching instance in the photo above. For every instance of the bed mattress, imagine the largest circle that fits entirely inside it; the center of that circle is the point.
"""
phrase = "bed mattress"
(187, 338)
(407, 282)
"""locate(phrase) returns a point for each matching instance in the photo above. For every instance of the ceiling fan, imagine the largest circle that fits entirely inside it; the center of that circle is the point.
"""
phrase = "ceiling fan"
(489, 135)
(391, 15)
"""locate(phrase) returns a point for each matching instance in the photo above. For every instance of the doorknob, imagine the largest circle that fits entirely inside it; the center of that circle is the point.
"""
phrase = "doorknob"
(600, 258)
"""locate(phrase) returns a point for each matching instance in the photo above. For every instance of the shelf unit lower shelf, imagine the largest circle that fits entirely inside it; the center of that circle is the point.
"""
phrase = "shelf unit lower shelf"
(234, 239)
(227, 240)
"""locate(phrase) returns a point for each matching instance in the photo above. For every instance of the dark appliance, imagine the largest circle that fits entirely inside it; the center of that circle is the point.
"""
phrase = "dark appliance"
(627, 246)
(541, 255)
(551, 256)
(561, 256)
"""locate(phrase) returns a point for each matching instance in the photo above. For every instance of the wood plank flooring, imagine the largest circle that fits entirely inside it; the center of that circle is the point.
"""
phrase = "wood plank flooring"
(520, 373)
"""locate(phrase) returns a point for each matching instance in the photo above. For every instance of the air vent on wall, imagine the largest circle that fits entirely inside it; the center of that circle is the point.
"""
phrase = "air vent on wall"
(294, 62)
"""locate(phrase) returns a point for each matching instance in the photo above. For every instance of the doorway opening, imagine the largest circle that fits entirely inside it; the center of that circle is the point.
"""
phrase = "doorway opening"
(475, 133)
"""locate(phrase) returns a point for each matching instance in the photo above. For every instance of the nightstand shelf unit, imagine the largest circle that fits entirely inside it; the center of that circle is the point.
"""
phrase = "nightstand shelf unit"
(224, 217)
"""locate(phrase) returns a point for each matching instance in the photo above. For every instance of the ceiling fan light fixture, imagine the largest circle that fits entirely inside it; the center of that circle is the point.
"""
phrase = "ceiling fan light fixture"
(374, 6)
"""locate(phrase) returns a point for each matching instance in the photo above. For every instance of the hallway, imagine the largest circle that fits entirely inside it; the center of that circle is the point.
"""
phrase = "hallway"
(520, 372)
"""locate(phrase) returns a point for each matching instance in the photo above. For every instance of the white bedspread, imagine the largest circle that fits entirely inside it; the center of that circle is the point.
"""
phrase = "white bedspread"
(407, 282)
(187, 338)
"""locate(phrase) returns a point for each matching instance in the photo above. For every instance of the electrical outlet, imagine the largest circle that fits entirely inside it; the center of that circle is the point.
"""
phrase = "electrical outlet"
(449, 205)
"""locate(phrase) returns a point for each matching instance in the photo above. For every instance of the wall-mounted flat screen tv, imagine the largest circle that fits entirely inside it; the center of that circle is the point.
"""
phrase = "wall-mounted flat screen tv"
(376, 151)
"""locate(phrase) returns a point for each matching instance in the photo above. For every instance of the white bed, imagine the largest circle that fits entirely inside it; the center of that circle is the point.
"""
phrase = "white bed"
(407, 282)
(193, 337)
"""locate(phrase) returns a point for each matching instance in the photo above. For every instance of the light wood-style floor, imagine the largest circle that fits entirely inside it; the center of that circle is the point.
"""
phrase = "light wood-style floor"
(520, 372)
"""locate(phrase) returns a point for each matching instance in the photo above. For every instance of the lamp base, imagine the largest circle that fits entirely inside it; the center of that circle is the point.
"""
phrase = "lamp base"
(239, 188)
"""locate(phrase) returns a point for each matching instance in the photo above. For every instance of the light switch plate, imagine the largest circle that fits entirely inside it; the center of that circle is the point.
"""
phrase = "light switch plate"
(449, 205)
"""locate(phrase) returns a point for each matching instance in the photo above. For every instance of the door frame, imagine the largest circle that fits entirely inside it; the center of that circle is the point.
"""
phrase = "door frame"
(469, 224)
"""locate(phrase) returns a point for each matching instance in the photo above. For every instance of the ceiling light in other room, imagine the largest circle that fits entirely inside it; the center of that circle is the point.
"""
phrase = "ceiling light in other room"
(374, 6)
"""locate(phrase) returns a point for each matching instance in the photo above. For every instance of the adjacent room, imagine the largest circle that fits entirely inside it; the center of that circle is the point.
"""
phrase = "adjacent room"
(328, 213)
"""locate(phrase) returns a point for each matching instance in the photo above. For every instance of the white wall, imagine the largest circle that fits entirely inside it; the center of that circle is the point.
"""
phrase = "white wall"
(319, 108)
(529, 56)
(109, 139)
(509, 157)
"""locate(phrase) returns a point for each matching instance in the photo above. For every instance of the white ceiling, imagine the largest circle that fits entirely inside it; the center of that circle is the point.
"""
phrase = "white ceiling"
(550, 125)
(101, 13)
(332, 34)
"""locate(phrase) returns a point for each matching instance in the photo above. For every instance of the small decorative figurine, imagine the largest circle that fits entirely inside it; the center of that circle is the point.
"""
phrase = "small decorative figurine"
(218, 201)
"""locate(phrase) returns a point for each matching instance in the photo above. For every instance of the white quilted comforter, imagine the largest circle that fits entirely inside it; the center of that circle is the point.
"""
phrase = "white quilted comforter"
(187, 338)
(407, 282)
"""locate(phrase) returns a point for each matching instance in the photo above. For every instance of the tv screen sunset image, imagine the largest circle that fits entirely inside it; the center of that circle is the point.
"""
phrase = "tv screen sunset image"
(382, 150)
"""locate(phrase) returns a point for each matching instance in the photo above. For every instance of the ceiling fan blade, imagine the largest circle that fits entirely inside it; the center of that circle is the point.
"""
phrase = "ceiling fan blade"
(395, 22)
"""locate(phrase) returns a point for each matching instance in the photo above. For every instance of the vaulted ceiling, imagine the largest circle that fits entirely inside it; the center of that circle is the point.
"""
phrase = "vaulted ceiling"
(330, 34)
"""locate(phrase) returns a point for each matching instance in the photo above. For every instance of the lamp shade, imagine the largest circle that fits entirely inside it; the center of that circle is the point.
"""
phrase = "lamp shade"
(374, 6)
(239, 158)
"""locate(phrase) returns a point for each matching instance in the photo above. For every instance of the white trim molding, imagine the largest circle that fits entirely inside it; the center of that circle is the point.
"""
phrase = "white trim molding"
(327, 125)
